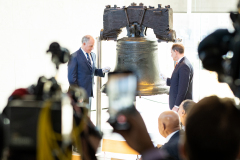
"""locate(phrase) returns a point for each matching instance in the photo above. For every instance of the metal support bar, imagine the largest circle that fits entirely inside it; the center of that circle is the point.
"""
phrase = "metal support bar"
(99, 84)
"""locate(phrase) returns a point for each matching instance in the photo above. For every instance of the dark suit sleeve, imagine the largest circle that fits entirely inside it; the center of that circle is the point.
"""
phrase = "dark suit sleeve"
(183, 84)
(98, 72)
(168, 82)
(171, 150)
(72, 70)
(155, 154)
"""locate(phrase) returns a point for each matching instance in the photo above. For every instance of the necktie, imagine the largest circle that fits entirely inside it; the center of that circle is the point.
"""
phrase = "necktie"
(89, 62)
(175, 64)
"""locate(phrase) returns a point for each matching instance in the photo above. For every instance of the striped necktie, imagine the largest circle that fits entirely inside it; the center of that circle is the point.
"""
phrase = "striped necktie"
(89, 62)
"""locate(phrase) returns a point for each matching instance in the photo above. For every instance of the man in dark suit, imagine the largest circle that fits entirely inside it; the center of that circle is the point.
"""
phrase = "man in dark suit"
(169, 126)
(82, 67)
(182, 77)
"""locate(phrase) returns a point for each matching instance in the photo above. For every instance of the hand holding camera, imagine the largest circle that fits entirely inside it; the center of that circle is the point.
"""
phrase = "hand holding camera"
(121, 90)
(136, 136)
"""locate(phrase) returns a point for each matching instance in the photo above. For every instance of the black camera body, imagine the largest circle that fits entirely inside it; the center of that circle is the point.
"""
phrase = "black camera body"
(220, 52)
(23, 130)
(59, 54)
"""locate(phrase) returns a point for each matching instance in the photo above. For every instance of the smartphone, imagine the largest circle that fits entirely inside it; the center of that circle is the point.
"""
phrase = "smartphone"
(121, 91)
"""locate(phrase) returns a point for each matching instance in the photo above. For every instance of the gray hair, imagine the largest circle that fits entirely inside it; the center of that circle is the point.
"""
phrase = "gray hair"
(86, 38)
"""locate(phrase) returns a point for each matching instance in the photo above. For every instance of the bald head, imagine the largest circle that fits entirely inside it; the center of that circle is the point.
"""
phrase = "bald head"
(86, 38)
(168, 122)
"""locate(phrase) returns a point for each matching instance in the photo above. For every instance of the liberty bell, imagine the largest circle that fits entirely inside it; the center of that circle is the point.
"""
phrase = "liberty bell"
(136, 52)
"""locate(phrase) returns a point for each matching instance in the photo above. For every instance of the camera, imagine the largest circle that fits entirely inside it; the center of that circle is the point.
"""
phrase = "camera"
(59, 54)
(220, 52)
(41, 122)
(121, 91)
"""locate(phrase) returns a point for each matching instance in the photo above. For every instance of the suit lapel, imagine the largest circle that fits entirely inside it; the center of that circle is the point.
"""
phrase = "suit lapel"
(83, 57)
(182, 60)
(174, 136)
(179, 63)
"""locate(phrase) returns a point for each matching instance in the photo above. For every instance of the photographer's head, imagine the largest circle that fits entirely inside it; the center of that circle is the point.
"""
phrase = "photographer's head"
(177, 51)
(184, 109)
(88, 43)
(168, 122)
(212, 130)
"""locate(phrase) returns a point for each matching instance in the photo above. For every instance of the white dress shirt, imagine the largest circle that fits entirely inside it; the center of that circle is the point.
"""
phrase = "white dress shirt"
(86, 56)
(104, 70)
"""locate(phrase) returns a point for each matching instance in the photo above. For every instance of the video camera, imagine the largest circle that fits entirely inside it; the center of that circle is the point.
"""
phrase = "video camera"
(41, 122)
(220, 52)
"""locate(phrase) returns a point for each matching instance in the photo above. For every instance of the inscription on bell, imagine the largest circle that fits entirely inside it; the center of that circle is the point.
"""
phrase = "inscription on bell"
(140, 55)
(136, 47)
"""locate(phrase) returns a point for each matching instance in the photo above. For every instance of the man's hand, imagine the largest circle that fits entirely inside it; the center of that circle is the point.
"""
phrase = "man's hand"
(106, 69)
(162, 77)
(175, 108)
(136, 136)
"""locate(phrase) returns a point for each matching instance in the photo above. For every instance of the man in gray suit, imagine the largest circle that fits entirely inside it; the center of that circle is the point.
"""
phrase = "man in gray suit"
(82, 67)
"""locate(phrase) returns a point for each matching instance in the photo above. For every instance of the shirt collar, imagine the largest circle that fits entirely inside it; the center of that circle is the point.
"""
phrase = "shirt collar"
(170, 135)
(84, 52)
(180, 59)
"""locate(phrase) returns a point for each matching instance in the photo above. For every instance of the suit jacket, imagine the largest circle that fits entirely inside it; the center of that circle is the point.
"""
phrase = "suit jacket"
(79, 72)
(180, 83)
(172, 146)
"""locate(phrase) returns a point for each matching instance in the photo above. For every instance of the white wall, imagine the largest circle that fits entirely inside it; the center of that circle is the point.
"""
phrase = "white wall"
(27, 27)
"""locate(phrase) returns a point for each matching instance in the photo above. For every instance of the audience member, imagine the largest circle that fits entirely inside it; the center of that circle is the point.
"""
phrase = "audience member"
(184, 109)
(168, 125)
(138, 138)
(212, 131)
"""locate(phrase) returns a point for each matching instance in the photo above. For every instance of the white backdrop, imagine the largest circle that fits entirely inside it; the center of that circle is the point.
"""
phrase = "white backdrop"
(27, 27)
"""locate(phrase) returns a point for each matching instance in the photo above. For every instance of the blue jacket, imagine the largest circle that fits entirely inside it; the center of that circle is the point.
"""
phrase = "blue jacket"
(180, 83)
(79, 72)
